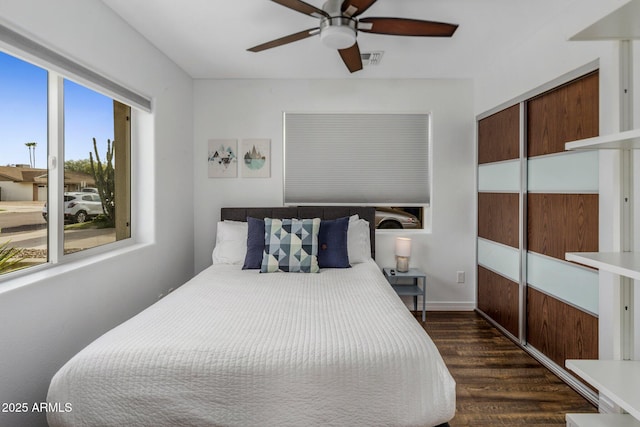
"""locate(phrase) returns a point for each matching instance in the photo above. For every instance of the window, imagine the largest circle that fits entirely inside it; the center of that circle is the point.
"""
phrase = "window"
(400, 217)
(23, 164)
(91, 164)
(373, 159)
(46, 212)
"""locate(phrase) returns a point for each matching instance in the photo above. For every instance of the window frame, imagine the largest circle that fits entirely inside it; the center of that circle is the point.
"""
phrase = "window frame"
(55, 157)
(425, 222)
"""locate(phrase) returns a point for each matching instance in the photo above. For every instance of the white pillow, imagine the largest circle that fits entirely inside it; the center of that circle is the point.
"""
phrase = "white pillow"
(231, 243)
(358, 240)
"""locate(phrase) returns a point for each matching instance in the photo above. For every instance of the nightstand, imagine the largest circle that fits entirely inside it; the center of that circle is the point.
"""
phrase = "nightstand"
(398, 282)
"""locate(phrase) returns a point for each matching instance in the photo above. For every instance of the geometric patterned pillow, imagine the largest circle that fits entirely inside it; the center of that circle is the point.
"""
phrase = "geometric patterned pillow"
(290, 245)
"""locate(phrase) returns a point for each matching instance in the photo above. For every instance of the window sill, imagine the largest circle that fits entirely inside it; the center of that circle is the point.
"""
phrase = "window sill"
(13, 281)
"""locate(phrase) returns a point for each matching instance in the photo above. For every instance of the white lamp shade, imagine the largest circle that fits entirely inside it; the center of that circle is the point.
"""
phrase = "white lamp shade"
(403, 246)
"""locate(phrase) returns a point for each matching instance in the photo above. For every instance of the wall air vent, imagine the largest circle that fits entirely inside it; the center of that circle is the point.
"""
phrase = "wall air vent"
(371, 58)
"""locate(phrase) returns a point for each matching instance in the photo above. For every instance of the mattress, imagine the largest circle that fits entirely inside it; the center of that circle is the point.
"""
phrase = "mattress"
(235, 347)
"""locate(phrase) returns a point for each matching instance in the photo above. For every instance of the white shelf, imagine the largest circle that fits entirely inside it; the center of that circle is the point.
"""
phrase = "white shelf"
(619, 380)
(623, 263)
(601, 420)
(617, 141)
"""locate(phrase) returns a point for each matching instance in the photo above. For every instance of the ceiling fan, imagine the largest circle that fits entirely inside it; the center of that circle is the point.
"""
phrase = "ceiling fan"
(339, 27)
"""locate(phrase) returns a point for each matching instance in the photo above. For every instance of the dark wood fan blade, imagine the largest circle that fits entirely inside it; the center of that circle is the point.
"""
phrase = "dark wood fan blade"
(351, 57)
(303, 7)
(406, 27)
(356, 7)
(285, 40)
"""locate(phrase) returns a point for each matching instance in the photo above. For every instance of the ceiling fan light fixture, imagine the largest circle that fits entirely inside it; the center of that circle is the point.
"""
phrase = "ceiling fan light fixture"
(338, 33)
(340, 24)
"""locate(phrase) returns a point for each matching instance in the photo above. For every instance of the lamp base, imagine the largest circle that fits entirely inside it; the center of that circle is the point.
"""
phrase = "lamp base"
(402, 264)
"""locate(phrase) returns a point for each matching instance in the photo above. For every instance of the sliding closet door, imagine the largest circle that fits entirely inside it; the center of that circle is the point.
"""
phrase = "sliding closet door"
(536, 202)
(499, 177)
(562, 216)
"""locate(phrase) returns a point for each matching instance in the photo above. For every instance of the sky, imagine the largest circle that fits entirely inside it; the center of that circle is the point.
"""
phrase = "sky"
(23, 115)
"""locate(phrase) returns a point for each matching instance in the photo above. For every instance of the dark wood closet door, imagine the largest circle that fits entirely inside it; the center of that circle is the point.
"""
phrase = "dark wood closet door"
(499, 217)
(560, 220)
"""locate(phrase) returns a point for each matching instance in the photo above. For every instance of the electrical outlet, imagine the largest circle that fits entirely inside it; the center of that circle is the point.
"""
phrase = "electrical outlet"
(460, 276)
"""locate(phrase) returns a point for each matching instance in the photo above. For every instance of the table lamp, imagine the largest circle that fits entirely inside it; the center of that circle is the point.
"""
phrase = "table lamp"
(403, 252)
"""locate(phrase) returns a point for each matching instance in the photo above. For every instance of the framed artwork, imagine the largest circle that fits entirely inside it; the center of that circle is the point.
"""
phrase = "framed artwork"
(256, 158)
(223, 158)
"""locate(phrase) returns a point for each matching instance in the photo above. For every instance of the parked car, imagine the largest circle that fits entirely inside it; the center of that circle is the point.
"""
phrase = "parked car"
(68, 197)
(79, 207)
(390, 218)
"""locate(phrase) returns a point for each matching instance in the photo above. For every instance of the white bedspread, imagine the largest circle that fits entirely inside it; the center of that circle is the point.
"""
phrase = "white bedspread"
(241, 348)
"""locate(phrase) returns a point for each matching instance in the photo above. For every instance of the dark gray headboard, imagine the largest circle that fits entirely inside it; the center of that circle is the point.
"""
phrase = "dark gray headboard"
(324, 212)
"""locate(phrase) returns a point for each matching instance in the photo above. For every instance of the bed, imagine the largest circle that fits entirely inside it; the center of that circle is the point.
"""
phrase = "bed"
(238, 347)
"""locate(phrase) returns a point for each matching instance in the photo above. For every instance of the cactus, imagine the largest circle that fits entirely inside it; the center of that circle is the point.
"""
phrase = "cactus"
(104, 176)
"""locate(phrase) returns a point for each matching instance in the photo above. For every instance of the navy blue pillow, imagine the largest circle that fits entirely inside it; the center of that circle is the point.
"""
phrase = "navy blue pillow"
(255, 244)
(332, 243)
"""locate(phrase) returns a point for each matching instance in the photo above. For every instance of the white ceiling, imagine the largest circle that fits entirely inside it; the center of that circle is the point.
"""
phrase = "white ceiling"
(209, 38)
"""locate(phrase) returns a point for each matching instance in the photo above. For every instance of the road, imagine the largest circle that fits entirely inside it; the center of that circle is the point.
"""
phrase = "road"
(73, 239)
(13, 220)
(22, 224)
(21, 216)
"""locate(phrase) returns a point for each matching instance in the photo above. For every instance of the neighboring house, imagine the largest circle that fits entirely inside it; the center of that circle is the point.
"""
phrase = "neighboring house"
(21, 182)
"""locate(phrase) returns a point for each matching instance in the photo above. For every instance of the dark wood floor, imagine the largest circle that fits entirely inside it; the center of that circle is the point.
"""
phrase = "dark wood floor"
(498, 384)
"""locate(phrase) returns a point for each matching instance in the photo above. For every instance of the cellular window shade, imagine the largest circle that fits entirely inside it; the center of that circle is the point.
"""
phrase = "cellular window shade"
(356, 158)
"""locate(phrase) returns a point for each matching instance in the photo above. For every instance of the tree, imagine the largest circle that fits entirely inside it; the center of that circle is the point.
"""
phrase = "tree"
(32, 153)
(83, 166)
(104, 176)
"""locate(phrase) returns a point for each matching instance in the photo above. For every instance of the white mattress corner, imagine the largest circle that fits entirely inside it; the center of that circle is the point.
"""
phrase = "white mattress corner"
(237, 347)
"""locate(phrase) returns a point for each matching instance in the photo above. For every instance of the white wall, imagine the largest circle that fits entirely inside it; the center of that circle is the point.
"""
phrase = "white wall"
(48, 316)
(253, 109)
(545, 57)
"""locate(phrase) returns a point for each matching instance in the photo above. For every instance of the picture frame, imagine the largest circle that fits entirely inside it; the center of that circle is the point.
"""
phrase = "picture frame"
(222, 158)
(255, 158)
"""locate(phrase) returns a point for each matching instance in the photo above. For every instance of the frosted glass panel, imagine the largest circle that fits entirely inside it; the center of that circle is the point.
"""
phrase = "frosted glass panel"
(503, 176)
(499, 258)
(573, 172)
(575, 285)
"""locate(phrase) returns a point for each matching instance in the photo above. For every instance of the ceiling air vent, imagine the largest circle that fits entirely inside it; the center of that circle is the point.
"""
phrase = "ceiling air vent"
(371, 58)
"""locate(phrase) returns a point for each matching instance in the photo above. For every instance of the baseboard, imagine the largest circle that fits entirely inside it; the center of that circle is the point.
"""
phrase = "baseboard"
(444, 306)
(451, 306)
